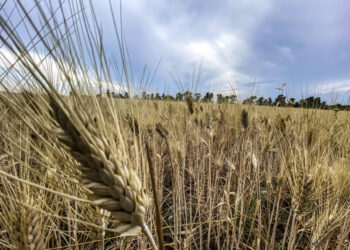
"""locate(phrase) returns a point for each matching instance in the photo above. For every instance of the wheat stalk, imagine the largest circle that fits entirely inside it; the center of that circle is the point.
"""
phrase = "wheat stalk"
(104, 222)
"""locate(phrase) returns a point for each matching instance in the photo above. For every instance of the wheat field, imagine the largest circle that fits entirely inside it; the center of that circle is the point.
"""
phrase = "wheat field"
(228, 176)
(87, 171)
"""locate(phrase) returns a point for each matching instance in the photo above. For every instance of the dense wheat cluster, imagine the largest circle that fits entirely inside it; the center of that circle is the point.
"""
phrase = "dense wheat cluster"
(83, 170)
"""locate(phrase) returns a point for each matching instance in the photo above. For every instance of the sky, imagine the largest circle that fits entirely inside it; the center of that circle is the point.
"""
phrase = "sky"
(249, 46)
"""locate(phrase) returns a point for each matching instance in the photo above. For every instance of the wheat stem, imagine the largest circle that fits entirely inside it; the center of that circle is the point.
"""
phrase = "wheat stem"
(148, 234)
(156, 199)
(44, 188)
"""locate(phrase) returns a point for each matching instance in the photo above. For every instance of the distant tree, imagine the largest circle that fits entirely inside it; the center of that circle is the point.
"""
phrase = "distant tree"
(179, 96)
(338, 106)
(317, 103)
(297, 105)
(197, 97)
(157, 97)
(219, 98)
(280, 101)
(324, 105)
(269, 101)
(291, 102)
(168, 97)
(261, 101)
(232, 98)
(187, 94)
(309, 102)
(208, 97)
(250, 100)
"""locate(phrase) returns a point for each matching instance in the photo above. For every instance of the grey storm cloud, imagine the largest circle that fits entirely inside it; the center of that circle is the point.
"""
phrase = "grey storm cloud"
(302, 43)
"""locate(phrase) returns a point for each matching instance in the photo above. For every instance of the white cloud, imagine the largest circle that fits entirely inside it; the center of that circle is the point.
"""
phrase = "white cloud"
(18, 75)
(334, 86)
(191, 32)
(287, 53)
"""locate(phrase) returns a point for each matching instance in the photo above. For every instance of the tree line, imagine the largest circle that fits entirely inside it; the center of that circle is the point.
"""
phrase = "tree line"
(208, 97)
(283, 101)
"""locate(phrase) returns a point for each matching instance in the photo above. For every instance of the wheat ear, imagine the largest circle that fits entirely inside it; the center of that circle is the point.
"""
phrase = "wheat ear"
(31, 234)
(113, 182)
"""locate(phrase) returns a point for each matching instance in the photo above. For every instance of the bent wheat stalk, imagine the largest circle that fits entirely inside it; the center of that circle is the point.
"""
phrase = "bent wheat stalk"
(113, 182)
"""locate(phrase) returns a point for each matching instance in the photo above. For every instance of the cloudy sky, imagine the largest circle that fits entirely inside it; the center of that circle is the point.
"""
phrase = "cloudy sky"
(257, 45)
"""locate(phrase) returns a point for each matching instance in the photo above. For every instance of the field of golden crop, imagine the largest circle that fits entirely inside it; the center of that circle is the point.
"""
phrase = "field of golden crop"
(228, 177)
(88, 171)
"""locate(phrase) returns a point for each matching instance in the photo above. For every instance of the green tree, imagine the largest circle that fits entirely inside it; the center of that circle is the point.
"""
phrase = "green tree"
(291, 102)
(197, 97)
(179, 96)
(232, 98)
(280, 101)
(208, 97)
(269, 101)
(157, 97)
(261, 101)
(249, 100)
(219, 98)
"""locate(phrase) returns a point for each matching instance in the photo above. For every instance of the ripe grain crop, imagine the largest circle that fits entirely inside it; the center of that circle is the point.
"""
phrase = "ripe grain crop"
(74, 161)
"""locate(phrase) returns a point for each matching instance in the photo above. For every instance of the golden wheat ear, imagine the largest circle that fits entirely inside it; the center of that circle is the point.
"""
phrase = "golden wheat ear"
(32, 236)
(115, 185)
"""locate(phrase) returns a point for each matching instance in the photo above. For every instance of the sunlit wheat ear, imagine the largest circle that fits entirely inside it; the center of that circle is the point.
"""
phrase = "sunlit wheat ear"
(115, 185)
